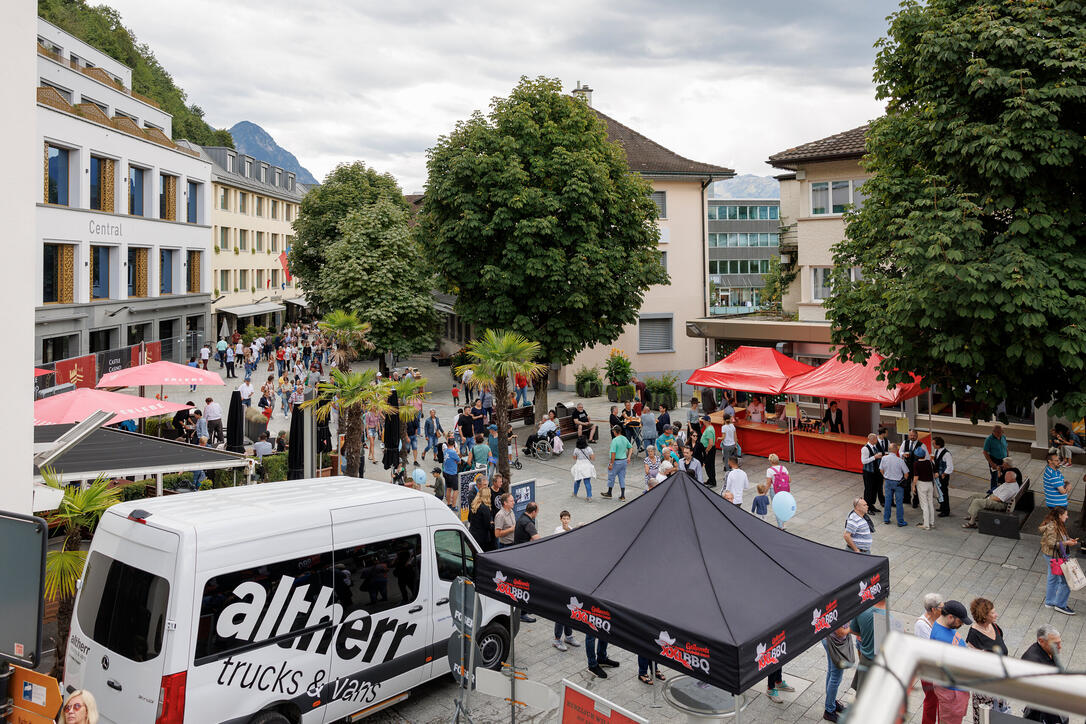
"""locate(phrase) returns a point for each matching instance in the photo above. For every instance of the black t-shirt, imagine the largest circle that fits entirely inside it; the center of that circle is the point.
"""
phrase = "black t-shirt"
(525, 529)
(465, 425)
(979, 641)
(616, 420)
(580, 415)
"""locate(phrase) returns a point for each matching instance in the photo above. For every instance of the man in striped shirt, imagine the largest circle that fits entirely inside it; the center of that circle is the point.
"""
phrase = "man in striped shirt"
(1057, 490)
(859, 530)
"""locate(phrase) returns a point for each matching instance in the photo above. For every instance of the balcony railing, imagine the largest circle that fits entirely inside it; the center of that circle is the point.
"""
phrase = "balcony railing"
(97, 73)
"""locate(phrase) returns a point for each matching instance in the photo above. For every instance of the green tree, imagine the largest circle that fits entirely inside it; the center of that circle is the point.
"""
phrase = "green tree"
(777, 281)
(497, 357)
(970, 239)
(349, 187)
(533, 216)
(101, 26)
(353, 393)
(373, 270)
(78, 514)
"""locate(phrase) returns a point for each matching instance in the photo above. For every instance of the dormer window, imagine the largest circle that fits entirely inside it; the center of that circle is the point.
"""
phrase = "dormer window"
(248, 168)
(278, 175)
(230, 162)
(264, 173)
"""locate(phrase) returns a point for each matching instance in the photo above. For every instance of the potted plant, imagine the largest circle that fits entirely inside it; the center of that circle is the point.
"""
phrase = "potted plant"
(587, 382)
(217, 250)
(619, 377)
(661, 390)
(237, 250)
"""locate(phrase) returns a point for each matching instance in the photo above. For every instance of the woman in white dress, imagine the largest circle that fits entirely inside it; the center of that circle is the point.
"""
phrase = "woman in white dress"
(583, 470)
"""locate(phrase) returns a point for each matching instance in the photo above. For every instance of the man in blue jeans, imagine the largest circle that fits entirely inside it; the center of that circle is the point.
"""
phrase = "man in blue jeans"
(834, 674)
(596, 651)
(894, 473)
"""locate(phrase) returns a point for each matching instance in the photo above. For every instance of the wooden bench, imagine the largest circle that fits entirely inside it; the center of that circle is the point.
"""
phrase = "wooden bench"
(1008, 523)
(441, 360)
(566, 428)
(524, 414)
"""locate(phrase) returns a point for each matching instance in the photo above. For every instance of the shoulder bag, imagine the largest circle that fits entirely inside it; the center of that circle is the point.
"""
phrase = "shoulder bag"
(1072, 571)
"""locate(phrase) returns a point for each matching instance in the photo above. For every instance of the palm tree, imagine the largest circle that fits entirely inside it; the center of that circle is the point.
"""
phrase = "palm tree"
(409, 394)
(349, 333)
(79, 512)
(499, 355)
(354, 393)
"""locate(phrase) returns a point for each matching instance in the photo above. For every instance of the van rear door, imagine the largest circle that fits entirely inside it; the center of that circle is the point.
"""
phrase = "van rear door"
(119, 630)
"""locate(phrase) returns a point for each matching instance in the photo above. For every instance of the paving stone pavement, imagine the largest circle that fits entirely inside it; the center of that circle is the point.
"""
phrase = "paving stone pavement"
(957, 563)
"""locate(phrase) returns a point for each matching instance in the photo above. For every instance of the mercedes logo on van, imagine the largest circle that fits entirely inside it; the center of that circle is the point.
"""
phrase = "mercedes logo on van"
(105, 663)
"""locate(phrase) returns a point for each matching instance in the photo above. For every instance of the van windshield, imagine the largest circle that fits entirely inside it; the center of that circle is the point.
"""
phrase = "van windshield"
(123, 608)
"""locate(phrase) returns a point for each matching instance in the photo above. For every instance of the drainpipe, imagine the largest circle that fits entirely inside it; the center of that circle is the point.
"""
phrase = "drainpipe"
(704, 263)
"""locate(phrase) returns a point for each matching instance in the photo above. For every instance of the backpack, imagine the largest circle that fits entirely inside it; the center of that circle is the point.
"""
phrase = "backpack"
(782, 483)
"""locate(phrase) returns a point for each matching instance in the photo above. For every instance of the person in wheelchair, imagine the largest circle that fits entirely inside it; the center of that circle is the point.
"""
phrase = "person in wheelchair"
(547, 430)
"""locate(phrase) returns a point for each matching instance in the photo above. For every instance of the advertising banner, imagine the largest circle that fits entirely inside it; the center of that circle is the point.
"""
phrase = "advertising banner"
(523, 493)
(79, 371)
(581, 706)
(113, 361)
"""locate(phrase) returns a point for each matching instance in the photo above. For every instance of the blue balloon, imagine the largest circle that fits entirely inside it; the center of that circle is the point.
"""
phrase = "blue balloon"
(419, 477)
(784, 506)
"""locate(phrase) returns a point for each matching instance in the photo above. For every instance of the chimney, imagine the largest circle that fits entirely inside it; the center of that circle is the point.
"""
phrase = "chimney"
(584, 93)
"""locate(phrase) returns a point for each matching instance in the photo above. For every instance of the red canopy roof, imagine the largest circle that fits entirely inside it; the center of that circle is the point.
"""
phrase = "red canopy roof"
(160, 373)
(851, 381)
(38, 372)
(77, 405)
(751, 369)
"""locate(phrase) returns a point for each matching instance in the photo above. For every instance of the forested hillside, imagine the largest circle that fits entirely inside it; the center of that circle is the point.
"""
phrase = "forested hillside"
(101, 27)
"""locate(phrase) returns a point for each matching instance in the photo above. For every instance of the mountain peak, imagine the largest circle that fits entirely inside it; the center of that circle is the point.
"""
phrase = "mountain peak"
(747, 186)
(251, 139)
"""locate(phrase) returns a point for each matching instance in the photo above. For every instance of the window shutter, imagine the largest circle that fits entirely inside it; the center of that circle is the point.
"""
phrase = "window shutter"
(660, 199)
(654, 335)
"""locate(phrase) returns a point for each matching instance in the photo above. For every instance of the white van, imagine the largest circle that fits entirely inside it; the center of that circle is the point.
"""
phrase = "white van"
(300, 601)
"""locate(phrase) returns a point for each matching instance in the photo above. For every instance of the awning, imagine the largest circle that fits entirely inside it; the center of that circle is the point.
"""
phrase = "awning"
(248, 310)
(300, 300)
(850, 381)
(79, 404)
(751, 369)
(118, 454)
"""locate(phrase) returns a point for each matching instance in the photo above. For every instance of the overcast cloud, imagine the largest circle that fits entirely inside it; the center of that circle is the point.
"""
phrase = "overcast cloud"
(718, 81)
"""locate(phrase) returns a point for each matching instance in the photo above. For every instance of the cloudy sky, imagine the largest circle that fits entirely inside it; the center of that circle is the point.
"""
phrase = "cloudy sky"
(720, 81)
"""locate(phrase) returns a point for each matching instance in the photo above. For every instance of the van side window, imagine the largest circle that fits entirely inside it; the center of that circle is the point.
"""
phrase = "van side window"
(123, 608)
(378, 576)
(247, 606)
(455, 556)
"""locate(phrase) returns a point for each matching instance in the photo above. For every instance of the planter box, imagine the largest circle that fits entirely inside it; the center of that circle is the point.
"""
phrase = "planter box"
(589, 389)
(668, 399)
(624, 393)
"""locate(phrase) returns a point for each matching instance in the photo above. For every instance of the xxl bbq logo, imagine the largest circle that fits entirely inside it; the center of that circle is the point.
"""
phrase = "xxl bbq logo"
(515, 589)
(596, 618)
(868, 591)
(691, 656)
(824, 621)
(769, 655)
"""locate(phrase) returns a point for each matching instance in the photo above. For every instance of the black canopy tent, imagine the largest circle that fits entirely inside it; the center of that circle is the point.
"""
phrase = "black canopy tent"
(685, 578)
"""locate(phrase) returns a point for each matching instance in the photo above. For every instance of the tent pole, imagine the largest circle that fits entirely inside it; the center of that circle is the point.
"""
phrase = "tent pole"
(738, 707)
(512, 667)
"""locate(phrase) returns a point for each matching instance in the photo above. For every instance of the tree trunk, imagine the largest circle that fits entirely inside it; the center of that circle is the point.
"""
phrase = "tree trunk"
(352, 439)
(540, 384)
(501, 419)
(65, 608)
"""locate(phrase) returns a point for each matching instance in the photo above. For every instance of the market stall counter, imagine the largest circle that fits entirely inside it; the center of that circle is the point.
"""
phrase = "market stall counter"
(829, 450)
(762, 439)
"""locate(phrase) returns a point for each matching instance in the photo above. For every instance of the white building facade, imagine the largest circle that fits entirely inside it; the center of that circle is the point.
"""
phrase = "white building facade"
(122, 214)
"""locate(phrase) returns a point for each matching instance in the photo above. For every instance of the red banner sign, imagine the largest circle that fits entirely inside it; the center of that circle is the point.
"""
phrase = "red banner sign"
(79, 371)
(580, 706)
(286, 266)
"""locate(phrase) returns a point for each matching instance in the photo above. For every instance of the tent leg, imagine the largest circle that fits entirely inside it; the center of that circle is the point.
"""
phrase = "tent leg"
(738, 708)
(158, 484)
(512, 667)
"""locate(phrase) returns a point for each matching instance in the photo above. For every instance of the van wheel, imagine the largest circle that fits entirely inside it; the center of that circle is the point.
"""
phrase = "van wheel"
(269, 717)
(494, 645)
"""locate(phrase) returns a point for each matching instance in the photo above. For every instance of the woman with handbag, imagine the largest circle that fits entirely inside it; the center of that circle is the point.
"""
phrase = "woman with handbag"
(1054, 544)
(840, 655)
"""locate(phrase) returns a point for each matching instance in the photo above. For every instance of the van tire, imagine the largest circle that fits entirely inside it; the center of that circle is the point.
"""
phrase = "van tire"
(269, 717)
(494, 645)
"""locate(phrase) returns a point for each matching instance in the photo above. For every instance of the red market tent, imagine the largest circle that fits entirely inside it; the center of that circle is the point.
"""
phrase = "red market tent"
(851, 381)
(751, 369)
(159, 373)
(77, 405)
